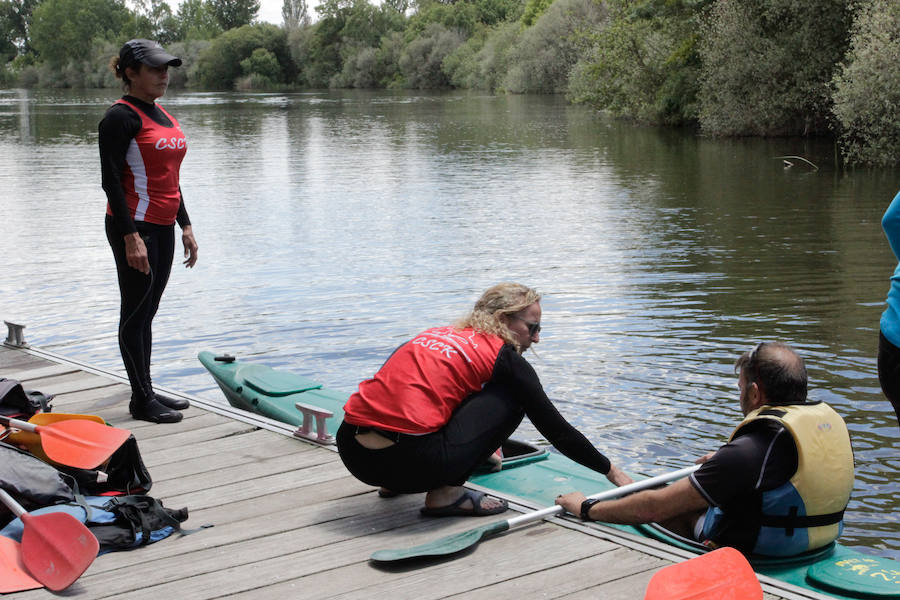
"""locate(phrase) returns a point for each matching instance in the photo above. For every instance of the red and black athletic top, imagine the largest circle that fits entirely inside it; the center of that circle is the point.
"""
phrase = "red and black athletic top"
(141, 149)
(419, 386)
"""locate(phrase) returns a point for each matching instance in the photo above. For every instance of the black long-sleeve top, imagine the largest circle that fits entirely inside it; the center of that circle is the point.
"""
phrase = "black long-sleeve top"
(512, 369)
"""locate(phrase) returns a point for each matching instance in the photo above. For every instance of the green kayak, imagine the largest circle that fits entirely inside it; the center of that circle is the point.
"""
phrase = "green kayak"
(279, 395)
(538, 476)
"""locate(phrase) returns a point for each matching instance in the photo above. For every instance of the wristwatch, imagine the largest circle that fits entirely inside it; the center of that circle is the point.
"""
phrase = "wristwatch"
(586, 508)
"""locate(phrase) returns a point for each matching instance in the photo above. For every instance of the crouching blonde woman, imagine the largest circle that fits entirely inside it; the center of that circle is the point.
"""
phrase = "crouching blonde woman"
(447, 399)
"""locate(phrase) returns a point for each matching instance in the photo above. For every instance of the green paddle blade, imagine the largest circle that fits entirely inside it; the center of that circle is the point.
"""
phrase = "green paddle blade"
(443, 546)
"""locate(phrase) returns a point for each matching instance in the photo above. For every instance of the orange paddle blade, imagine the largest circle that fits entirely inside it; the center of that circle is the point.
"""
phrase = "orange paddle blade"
(13, 576)
(79, 443)
(57, 548)
(722, 574)
(32, 441)
(47, 418)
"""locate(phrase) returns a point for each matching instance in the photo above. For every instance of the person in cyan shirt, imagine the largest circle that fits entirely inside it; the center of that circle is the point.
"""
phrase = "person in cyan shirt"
(141, 149)
(889, 334)
(448, 398)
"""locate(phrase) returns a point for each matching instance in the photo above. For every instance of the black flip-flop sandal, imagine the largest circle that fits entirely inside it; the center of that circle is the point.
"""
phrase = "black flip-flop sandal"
(455, 509)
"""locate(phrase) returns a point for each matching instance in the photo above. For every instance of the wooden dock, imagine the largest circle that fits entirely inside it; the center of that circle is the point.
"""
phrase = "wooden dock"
(288, 521)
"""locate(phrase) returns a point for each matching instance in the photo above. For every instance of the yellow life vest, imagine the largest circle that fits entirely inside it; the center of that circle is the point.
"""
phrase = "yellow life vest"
(806, 512)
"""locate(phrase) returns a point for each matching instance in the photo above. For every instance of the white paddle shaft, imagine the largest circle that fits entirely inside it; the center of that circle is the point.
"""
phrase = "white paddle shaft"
(23, 425)
(618, 492)
(10, 503)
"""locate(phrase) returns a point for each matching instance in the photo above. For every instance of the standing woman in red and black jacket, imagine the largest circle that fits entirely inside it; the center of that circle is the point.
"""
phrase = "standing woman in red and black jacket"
(141, 149)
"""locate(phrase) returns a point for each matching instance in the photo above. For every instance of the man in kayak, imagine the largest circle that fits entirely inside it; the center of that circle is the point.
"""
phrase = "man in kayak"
(777, 488)
(444, 401)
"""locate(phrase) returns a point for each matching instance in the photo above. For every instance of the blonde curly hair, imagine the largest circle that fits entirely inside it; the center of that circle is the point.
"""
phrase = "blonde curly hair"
(502, 299)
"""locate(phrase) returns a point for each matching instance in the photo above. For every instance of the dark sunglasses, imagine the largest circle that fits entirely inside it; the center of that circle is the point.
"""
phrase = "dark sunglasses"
(533, 328)
(751, 358)
(753, 362)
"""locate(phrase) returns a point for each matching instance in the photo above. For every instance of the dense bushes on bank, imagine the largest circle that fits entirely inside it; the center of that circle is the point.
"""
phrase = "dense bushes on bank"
(641, 62)
(728, 67)
(257, 52)
(867, 87)
(768, 65)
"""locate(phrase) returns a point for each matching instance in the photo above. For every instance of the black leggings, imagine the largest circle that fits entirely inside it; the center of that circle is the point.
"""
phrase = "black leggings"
(140, 295)
(889, 372)
(419, 463)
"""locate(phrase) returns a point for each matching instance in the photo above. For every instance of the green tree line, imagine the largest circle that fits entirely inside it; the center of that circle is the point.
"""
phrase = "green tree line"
(725, 67)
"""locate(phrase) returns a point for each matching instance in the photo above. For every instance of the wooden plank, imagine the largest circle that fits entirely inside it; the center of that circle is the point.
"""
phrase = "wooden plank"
(113, 408)
(624, 588)
(256, 439)
(254, 488)
(244, 473)
(14, 359)
(194, 420)
(186, 438)
(277, 502)
(111, 395)
(214, 454)
(69, 383)
(28, 374)
(568, 578)
(112, 401)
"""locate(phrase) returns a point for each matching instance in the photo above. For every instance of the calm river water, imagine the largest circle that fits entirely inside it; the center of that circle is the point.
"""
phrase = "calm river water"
(334, 225)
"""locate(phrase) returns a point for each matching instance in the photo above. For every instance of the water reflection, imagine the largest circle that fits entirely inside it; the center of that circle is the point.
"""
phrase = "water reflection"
(334, 225)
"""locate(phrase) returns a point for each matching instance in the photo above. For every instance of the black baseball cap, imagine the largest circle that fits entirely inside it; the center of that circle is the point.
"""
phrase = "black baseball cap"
(148, 52)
